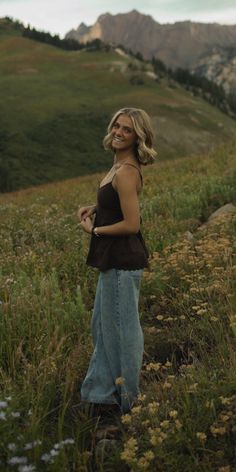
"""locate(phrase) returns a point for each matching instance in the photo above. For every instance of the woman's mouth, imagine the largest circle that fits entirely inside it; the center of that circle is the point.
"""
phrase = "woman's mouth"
(118, 140)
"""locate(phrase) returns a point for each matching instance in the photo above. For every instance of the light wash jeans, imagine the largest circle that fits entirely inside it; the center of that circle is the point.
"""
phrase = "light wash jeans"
(118, 341)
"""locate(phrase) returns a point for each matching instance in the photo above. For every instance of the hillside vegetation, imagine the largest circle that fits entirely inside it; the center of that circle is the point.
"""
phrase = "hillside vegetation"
(185, 419)
(56, 104)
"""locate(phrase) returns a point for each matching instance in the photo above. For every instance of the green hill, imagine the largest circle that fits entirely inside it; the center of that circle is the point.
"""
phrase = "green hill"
(55, 106)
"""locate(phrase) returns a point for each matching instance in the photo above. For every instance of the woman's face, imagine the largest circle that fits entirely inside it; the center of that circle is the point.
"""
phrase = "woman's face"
(124, 136)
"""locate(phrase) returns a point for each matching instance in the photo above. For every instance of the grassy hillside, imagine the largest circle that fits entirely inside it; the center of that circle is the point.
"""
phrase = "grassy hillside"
(186, 418)
(55, 106)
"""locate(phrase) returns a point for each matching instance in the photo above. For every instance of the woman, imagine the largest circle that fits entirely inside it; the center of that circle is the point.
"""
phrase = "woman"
(118, 250)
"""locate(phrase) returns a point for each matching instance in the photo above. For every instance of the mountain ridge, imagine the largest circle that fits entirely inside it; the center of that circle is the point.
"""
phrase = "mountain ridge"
(184, 44)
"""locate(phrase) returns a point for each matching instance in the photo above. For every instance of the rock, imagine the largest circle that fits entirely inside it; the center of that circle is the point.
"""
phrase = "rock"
(189, 236)
(228, 209)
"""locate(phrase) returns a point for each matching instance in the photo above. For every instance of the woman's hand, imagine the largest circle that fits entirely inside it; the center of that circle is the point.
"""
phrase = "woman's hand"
(87, 225)
(85, 212)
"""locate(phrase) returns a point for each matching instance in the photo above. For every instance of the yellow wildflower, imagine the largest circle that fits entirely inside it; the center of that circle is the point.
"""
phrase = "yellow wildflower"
(141, 397)
(173, 413)
(178, 424)
(126, 419)
(136, 410)
(220, 430)
(201, 436)
(153, 407)
(225, 400)
(165, 424)
(119, 381)
(167, 385)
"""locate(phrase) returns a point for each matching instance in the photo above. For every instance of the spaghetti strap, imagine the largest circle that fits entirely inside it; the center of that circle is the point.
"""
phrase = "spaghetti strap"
(128, 164)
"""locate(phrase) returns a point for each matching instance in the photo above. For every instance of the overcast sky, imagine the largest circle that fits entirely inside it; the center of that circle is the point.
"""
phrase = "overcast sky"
(59, 16)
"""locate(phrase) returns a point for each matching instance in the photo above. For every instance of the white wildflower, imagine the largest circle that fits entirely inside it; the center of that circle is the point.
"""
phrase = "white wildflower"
(2, 415)
(15, 414)
(17, 460)
(3, 404)
(29, 446)
(12, 446)
(68, 441)
(26, 468)
(46, 457)
(53, 452)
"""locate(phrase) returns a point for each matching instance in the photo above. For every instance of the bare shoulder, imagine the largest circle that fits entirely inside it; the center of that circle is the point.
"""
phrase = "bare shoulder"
(128, 175)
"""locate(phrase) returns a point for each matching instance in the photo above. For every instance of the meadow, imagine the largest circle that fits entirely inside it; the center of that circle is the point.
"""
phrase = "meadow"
(185, 419)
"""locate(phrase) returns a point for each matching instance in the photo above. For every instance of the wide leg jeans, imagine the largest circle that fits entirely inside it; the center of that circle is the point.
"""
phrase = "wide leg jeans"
(114, 369)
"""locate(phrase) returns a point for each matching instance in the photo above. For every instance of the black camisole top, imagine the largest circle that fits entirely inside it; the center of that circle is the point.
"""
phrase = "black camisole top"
(127, 252)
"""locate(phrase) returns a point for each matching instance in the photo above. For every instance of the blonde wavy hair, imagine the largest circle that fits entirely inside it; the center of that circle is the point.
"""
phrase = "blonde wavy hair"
(145, 153)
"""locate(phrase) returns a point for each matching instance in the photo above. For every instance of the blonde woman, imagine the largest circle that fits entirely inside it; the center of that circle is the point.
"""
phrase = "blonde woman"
(118, 250)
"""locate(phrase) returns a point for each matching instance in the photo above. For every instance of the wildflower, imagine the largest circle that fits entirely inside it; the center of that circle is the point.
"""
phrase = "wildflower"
(149, 455)
(15, 414)
(68, 441)
(120, 381)
(129, 452)
(136, 410)
(153, 407)
(220, 430)
(29, 446)
(46, 457)
(26, 468)
(192, 387)
(155, 440)
(12, 446)
(146, 423)
(202, 311)
(3, 404)
(178, 424)
(159, 317)
(126, 419)
(167, 385)
(225, 400)
(17, 460)
(2, 415)
(165, 424)
(141, 398)
(54, 452)
(224, 418)
(201, 436)
(153, 366)
(173, 413)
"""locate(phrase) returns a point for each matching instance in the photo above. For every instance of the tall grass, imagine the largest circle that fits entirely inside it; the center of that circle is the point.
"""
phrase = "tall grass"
(185, 419)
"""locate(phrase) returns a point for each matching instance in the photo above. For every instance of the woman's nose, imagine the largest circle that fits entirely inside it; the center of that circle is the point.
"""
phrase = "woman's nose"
(119, 132)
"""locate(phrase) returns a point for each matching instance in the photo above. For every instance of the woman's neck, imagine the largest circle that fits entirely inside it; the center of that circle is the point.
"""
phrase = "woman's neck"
(120, 158)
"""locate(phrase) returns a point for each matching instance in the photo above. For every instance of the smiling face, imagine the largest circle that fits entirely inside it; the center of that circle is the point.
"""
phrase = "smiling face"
(124, 136)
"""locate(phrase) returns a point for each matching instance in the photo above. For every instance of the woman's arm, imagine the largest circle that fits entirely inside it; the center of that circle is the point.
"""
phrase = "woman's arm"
(126, 185)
